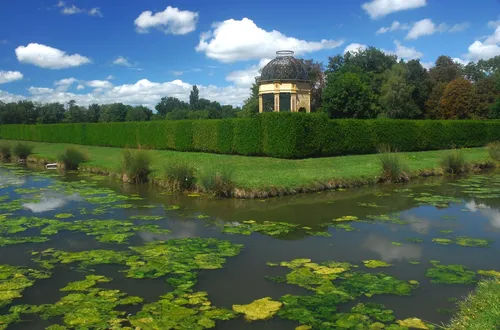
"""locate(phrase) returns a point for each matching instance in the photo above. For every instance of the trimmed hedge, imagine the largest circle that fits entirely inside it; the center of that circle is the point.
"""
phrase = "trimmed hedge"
(281, 135)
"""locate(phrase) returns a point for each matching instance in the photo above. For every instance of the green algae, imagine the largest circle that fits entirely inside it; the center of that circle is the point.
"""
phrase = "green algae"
(260, 309)
(267, 228)
(393, 218)
(396, 243)
(346, 218)
(450, 274)
(446, 231)
(172, 207)
(463, 241)
(4, 241)
(87, 283)
(414, 239)
(87, 259)
(491, 273)
(147, 217)
(64, 216)
(343, 227)
(442, 241)
(14, 279)
(376, 264)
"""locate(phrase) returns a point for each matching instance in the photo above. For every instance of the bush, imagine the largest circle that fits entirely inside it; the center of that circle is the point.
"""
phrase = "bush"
(72, 158)
(136, 165)
(494, 150)
(454, 162)
(22, 150)
(394, 168)
(5, 150)
(219, 183)
(179, 176)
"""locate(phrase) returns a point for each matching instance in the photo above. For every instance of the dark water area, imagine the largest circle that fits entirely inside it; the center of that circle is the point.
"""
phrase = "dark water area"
(464, 206)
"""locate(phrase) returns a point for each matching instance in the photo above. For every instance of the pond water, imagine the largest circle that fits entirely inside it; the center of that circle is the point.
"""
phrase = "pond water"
(69, 242)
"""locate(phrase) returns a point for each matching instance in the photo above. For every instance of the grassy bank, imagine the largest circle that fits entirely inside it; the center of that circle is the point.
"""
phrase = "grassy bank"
(480, 310)
(265, 177)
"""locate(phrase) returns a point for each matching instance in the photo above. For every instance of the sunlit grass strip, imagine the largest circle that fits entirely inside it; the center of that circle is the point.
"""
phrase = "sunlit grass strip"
(480, 310)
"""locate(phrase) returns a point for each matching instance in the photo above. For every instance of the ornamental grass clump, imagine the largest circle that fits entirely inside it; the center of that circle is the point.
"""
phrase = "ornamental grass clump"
(454, 162)
(494, 151)
(22, 150)
(179, 176)
(135, 166)
(5, 150)
(71, 158)
(218, 182)
(394, 168)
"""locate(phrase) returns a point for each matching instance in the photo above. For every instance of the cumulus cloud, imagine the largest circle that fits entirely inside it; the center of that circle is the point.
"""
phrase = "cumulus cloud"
(380, 8)
(425, 27)
(354, 48)
(122, 61)
(494, 24)
(459, 27)
(64, 84)
(486, 49)
(143, 92)
(247, 76)
(80, 87)
(236, 40)
(395, 26)
(404, 52)
(110, 77)
(49, 58)
(170, 21)
(9, 76)
(72, 10)
(99, 84)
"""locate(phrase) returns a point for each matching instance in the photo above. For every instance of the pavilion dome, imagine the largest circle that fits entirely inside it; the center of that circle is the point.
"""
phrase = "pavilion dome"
(284, 67)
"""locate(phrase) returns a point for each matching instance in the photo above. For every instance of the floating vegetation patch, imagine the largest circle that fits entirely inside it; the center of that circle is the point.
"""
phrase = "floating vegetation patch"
(373, 205)
(4, 241)
(376, 264)
(491, 273)
(346, 218)
(414, 239)
(344, 227)
(184, 311)
(172, 207)
(261, 309)
(268, 228)
(64, 215)
(414, 323)
(87, 283)
(87, 259)
(14, 279)
(396, 243)
(393, 218)
(463, 241)
(442, 241)
(450, 274)
(446, 231)
(147, 217)
(438, 201)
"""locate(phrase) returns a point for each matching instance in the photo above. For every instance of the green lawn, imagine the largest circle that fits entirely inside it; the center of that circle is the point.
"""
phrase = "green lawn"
(261, 172)
(480, 310)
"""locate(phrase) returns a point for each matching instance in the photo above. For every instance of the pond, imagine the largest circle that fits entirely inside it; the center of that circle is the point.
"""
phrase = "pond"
(83, 252)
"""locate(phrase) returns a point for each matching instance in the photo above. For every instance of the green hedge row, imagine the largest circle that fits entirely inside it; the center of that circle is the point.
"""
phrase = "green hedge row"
(281, 135)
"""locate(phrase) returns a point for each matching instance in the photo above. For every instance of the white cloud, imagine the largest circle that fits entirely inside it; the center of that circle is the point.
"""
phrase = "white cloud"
(404, 52)
(99, 84)
(110, 77)
(428, 65)
(122, 61)
(380, 8)
(64, 84)
(234, 40)
(247, 76)
(424, 27)
(494, 24)
(354, 48)
(170, 21)
(72, 10)
(460, 61)
(9, 76)
(484, 50)
(459, 27)
(177, 73)
(395, 26)
(180, 73)
(143, 92)
(48, 58)
(80, 87)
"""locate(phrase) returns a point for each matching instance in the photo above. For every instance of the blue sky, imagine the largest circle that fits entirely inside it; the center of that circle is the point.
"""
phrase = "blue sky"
(105, 51)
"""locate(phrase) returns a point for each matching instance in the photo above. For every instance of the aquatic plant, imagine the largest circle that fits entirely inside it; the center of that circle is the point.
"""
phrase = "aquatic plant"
(454, 162)
(370, 284)
(22, 150)
(219, 183)
(15, 279)
(375, 264)
(494, 150)
(179, 176)
(261, 309)
(71, 158)
(492, 273)
(346, 218)
(438, 201)
(135, 165)
(147, 217)
(467, 241)
(413, 323)
(268, 228)
(442, 241)
(87, 283)
(450, 274)
(5, 150)
(394, 168)
(64, 215)
(414, 239)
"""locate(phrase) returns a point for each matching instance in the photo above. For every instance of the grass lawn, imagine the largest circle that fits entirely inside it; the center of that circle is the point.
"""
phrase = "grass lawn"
(480, 310)
(261, 172)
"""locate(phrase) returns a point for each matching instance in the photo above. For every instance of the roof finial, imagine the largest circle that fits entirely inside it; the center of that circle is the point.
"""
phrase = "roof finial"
(281, 53)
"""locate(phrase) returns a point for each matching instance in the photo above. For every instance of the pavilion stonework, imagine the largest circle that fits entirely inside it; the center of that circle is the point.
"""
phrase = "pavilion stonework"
(286, 77)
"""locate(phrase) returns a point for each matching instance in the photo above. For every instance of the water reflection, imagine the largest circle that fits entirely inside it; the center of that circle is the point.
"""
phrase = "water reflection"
(492, 214)
(388, 252)
(51, 203)
(418, 224)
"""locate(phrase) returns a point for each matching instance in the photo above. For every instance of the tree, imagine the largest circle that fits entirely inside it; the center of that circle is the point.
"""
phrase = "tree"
(136, 114)
(317, 77)
(51, 113)
(419, 79)
(396, 98)
(93, 113)
(473, 72)
(251, 104)
(74, 113)
(349, 95)
(485, 92)
(432, 104)
(194, 98)
(115, 112)
(445, 71)
(169, 104)
(457, 101)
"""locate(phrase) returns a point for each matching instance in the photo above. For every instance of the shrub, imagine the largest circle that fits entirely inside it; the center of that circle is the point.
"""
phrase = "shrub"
(22, 150)
(136, 165)
(394, 168)
(5, 150)
(454, 162)
(72, 158)
(219, 183)
(179, 176)
(494, 150)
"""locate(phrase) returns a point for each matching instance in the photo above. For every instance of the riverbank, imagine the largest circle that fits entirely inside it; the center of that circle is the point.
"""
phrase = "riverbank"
(480, 310)
(261, 177)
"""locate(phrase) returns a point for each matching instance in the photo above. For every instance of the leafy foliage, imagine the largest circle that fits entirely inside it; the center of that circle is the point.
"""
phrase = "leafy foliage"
(457, 101)
(454, 162)
(219, 183)
(72, 158)
(22, 150)
(5, 150)
(136, 165)
(450, 274)
(261, 309)
(394, 169)
(494, 150)
(179, 176)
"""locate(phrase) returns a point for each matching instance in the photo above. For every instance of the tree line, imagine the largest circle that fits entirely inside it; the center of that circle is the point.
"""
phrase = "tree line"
(372, 84)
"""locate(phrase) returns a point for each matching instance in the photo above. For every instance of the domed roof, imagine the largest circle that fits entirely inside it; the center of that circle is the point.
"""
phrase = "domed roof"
(284, 67)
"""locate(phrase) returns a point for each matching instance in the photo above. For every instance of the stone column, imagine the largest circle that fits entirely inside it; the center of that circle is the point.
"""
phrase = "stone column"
(277, 102)
(261, 104)
(293, 102)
